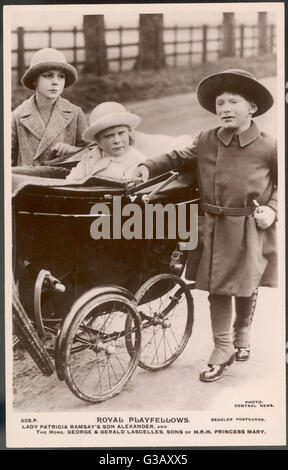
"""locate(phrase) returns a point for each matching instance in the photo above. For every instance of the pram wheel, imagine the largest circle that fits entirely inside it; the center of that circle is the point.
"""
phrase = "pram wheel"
(166, 309)
(97, 364)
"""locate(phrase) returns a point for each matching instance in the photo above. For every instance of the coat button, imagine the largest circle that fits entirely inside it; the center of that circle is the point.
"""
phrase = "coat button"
(36, 163)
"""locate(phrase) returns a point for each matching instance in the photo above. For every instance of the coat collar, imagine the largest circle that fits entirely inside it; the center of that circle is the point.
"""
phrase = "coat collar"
(30, 118)
(61, 116)
(245, 138)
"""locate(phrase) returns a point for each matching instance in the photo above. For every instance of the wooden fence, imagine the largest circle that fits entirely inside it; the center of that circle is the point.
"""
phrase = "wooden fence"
(181, 44)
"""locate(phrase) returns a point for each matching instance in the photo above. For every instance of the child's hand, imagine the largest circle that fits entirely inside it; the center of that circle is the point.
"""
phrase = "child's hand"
(62, 149)
(264, 216)
(141, 172)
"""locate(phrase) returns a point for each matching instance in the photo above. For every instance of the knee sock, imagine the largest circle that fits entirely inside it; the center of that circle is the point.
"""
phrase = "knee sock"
(221, 318)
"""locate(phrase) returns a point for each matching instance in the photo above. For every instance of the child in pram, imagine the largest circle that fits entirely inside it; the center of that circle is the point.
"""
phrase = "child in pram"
(115, 155)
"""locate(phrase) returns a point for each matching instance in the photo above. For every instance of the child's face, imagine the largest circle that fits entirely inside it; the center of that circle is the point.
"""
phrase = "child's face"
(114, 141)
(234, 111)
(50, 84)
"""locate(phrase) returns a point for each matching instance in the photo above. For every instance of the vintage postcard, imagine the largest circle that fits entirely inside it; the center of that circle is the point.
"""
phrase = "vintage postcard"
(144, 247)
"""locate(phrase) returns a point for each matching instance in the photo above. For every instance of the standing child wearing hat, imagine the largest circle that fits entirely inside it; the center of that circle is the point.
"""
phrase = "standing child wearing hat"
(46, 126)
(115, 156)
(237, 168)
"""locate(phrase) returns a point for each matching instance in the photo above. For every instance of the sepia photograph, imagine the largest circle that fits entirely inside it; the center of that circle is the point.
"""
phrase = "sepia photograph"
(144, 178)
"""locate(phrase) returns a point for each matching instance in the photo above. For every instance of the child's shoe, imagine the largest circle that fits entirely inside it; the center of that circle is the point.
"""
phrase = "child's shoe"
(213, 372)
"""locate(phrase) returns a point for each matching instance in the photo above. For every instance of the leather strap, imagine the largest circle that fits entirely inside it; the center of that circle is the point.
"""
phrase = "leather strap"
(234, 211)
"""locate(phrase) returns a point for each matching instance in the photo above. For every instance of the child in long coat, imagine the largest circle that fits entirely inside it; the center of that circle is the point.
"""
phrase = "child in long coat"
(46, 126)
(237, 168)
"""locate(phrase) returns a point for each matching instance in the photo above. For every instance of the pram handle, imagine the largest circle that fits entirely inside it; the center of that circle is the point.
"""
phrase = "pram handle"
(147, 198)
(164, 179)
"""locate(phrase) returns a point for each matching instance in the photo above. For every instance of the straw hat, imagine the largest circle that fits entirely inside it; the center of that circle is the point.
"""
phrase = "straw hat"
(109, 114)
(237, 81)
(49, 59)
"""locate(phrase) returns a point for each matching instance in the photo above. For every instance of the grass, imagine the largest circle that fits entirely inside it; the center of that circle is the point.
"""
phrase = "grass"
(137, 86)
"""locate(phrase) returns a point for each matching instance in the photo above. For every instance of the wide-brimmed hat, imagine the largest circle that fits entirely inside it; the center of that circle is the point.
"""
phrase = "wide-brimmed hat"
(49, 59)
(237, 81)
(109, 114)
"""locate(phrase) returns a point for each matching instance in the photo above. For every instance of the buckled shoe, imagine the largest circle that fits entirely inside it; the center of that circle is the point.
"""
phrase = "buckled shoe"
(213, 372)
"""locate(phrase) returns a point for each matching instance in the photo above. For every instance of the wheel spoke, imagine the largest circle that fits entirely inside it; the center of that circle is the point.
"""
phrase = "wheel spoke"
(98, 367)
(156, 352)
(157, 348)
(171, 350)
(113, 368)
(172, 331)
(100, 370)
(100, 376)
(117, 357)
(170, 325)
(108, 316)
(150, 341)
(108, 362)
(107, 323)
(164, 334)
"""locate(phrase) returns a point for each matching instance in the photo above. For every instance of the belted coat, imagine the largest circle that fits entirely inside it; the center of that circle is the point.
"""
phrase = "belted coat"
(32, 141)
(233, 256)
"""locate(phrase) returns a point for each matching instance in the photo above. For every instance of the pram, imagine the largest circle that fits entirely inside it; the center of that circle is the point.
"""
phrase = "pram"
(95, 309)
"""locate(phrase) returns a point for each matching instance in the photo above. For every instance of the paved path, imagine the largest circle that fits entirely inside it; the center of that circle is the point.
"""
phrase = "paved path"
(182, 114)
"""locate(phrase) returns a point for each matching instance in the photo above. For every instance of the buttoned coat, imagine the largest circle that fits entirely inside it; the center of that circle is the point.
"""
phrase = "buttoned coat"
(234, 256)
(32, 141)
